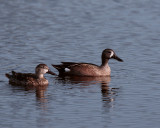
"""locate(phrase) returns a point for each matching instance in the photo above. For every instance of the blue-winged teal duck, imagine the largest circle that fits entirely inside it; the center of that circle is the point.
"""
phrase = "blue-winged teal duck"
(88, 69)
(29, 78)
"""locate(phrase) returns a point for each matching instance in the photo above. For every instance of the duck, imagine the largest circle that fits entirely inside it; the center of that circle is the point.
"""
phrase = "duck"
(30, 79)
(88, 69)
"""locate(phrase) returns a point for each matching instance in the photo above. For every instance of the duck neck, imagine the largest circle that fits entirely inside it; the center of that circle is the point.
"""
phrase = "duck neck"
(104, 62)
(39, 75)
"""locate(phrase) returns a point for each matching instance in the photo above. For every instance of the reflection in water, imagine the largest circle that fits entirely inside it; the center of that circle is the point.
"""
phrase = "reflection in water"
(108, 94)
(39, 93)
(86, 81)
(41, 97)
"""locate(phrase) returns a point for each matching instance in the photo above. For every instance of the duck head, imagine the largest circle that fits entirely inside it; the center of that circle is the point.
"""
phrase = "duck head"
(42, 69)
(110, 54)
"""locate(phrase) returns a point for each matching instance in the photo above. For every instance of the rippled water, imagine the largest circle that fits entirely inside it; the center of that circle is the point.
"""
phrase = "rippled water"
(52, 31)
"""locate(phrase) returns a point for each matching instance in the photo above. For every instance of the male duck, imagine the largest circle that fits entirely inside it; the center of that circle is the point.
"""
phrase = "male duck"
(88, 69)
(27, 79)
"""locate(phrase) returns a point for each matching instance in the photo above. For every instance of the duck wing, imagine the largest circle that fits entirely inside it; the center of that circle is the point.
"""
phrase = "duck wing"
(20, 76)
(61, 68)
(72, 64)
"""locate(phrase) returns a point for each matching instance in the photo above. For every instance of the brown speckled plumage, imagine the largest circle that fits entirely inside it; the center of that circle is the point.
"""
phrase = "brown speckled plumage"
(30, 78)
(88, 69)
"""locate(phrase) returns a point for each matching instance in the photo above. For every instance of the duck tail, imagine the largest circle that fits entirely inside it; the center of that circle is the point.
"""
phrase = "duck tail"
(8, 75)
(12, 75)
(60, 68)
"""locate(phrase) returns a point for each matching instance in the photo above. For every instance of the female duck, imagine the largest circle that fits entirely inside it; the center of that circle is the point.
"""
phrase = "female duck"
(29, 78)
(88, 69)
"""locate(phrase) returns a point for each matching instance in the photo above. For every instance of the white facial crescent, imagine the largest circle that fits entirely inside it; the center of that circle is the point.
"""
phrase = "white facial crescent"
(112, 53)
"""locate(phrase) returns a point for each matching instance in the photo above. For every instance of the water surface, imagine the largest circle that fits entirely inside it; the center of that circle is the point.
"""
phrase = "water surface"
(52, 31)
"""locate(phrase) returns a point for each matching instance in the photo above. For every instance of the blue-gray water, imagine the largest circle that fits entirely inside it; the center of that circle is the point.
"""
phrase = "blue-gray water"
(51, 31)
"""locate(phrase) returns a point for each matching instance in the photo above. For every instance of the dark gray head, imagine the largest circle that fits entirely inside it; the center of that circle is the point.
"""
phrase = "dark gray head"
(109, 54)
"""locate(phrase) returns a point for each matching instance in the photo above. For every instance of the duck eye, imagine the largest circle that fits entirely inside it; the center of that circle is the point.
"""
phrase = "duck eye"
(109, 51)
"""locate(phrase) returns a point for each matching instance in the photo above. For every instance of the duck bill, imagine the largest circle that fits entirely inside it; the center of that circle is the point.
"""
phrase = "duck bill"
(50, 72)
(117, 58)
